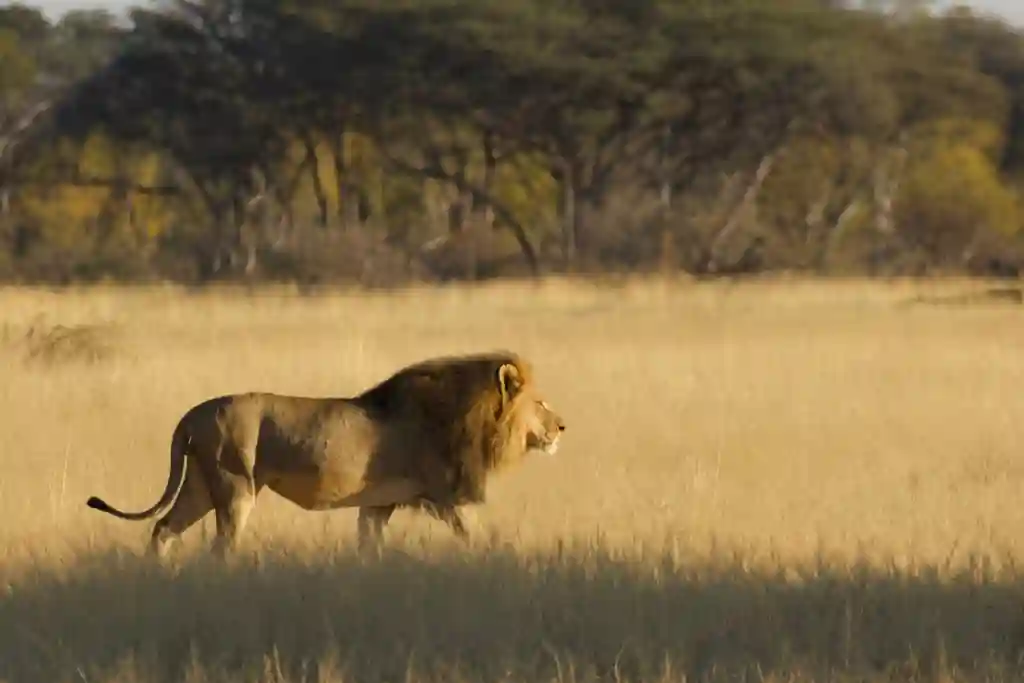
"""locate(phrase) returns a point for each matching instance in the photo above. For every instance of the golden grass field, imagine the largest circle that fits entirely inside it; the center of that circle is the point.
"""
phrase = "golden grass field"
(773, 481)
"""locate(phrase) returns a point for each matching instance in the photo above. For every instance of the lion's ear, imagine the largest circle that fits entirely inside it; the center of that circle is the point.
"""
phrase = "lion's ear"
(510, 381)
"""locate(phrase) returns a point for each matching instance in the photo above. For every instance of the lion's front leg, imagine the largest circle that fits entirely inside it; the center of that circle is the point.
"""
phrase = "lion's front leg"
(372, 520)
(462, 521)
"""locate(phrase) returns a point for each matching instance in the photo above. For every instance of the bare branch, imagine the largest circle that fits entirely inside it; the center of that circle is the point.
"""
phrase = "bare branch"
(435, 169)
(10, 139)
(78, 180)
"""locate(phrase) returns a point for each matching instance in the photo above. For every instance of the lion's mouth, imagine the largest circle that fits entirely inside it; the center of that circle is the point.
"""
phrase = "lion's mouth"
(546, 446)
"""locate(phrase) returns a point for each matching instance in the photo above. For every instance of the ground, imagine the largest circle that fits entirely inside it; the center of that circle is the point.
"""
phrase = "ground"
(787, 480)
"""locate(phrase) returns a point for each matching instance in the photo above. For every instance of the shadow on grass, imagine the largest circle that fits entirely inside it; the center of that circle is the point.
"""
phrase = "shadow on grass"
(498, 615)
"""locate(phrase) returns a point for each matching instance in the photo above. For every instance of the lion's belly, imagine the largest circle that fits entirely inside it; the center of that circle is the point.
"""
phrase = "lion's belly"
(323, 493)
(338, 459)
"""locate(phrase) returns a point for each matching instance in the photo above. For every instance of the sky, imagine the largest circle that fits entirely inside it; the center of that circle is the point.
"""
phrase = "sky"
(1012, 10)
(1008, 9)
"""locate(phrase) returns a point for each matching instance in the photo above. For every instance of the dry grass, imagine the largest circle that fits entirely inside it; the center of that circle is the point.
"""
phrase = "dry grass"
(790, 481)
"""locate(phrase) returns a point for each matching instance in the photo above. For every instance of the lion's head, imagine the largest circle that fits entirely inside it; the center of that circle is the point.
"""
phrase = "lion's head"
(533, 424)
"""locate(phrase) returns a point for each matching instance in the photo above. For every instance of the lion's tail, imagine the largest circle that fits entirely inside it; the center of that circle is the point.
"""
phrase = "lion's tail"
(176, 479)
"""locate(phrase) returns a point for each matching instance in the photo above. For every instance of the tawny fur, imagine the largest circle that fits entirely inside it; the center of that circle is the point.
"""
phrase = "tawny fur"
(427, 437)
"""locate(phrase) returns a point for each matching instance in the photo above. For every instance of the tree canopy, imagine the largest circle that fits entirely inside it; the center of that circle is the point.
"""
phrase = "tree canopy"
(381, 140)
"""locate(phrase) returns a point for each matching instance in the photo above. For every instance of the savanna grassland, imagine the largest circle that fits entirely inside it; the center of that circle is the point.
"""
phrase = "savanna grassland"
(787, 481)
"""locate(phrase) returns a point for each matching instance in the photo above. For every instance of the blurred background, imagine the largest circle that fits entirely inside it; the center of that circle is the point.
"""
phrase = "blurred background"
(392, 141)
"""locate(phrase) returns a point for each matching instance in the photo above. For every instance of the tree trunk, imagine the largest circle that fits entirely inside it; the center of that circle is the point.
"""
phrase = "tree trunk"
(318, 183)
(735, 217)
(490, 171)
(353, 206)
(570, 215)
(668, 243)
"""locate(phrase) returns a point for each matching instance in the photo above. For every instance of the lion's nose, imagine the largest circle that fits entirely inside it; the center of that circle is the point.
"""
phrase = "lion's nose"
(561, 426)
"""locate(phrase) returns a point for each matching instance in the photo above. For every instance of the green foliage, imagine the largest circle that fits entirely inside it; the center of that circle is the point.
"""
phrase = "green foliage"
(17, 68)
(952, 193)
(232, 125)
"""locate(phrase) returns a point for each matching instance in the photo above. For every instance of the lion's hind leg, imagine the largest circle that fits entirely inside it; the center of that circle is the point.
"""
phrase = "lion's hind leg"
(231, 520)
(233, 487)
(192, 504)
(234, 497)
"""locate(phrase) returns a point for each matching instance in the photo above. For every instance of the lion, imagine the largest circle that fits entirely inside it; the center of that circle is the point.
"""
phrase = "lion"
(425, 438)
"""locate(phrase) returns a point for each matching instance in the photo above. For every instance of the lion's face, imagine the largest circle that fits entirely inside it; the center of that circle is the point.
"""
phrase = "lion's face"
(543, 426)
(532, 419)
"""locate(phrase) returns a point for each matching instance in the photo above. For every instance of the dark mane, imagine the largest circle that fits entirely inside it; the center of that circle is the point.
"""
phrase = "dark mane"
(459, 399)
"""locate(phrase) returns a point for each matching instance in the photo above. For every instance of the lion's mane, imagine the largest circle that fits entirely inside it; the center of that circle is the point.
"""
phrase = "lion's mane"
(461, 397)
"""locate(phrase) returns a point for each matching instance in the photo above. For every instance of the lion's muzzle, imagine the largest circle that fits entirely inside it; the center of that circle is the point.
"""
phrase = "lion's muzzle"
(547, 442)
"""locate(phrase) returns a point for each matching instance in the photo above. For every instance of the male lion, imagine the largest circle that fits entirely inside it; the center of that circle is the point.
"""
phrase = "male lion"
(427, 438)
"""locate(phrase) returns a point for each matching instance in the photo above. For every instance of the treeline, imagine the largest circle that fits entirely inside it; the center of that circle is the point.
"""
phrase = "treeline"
(388, 140)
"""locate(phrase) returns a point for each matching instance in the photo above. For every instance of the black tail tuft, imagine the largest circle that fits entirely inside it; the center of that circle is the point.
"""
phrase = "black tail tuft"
(97, 504)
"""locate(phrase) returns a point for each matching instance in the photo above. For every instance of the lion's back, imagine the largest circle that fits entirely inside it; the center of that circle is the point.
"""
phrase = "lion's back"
(445, 387)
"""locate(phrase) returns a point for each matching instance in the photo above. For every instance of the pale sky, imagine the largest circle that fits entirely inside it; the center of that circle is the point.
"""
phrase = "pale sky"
(1009, 9)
